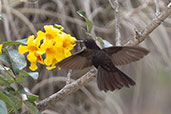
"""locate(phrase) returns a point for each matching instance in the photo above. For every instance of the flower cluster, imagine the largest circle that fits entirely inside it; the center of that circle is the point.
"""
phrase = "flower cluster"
(1, 48)
(54, 43)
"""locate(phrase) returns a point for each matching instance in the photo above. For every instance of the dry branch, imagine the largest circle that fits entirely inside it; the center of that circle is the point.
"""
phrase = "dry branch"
(68, 89)
(76, 85)
(150, 27)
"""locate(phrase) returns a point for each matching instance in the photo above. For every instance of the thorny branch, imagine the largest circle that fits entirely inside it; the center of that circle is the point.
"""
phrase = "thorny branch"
(76, 85)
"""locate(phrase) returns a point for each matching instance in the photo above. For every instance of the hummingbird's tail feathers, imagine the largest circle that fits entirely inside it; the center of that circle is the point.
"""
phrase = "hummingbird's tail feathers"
(112, 80)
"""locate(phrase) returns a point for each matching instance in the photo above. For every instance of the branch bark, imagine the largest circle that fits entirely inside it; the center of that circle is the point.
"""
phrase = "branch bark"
(67, 90)
(76, 85)
(150, 27)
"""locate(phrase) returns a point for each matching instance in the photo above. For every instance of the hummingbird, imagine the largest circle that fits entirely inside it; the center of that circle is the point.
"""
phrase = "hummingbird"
(109, 77)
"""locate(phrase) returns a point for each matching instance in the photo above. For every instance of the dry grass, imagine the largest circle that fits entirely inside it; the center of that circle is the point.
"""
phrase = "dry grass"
(151, 95)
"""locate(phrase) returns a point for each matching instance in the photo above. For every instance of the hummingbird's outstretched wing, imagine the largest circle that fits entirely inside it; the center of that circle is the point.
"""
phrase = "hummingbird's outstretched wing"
(79, 60)
(122, 55)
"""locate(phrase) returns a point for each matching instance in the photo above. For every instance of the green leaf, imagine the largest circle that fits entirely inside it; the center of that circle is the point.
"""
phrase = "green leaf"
(23, 41)
(104, 43)
(3, 108)
(9, 43)
(32, 97)
(89, 22)
(82, 13)
(1, 68)
(10, 78)
(3, 81)
(89, 25)
(89, 34)
(0, 17)
(34, 75)
(7, 90)
(14, 95)
(23, 73)
(20, 79)
(18, 61)
(17, 79)
(31, 107)
(4, 59)
(21, 89)
(8, 101)
(61, 28)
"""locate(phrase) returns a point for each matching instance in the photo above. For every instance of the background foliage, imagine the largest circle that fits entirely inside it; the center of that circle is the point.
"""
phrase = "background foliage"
(152, 74)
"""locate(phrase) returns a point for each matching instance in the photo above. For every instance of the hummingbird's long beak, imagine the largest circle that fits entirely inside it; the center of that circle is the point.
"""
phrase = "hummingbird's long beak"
(80, 41)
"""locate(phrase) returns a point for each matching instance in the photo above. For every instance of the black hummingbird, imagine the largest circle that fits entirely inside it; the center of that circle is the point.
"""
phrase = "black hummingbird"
(109, 77)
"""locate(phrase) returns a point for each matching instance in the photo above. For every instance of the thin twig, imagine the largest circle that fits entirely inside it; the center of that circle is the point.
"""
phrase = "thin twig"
(76, 85)
(30, 1)
(69, 77)
(57, 15)
(115, 6)
(0, 7)
(10, 18)
(157, 7)
(24, 19)
(8, 72)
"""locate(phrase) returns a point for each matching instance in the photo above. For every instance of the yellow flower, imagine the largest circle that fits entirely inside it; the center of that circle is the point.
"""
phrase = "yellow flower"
(55, 52)
(53, 55)
(51, 32)
(50, 37)
(34, 55)
(56, 45)
(69, 42)
(1, 48)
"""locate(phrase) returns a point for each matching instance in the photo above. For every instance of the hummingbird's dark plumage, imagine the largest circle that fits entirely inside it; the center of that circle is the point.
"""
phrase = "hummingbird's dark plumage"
(108, 77)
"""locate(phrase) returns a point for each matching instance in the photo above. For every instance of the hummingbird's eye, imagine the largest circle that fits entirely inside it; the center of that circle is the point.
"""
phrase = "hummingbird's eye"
(85, 41)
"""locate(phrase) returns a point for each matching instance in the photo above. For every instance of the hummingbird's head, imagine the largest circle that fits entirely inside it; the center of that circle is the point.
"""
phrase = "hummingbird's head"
(90, 44)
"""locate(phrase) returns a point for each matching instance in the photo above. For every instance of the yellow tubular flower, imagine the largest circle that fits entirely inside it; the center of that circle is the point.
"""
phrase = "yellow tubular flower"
(69, 42)
(1, 48)
(33, 66)
(56, 45)
(50, 37)
(54, 53)
(58, 49)
(34, 55)
(51, 32)
(52, 65)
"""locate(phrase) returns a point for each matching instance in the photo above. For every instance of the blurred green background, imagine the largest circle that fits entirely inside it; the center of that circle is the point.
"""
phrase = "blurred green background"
(152, 74)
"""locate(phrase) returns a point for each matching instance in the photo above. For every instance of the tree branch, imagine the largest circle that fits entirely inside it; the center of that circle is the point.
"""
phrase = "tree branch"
(67, 90)
(76, 85)
(149, 28)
